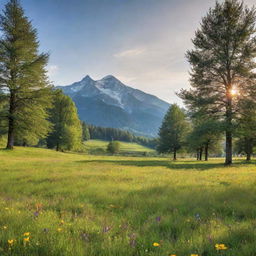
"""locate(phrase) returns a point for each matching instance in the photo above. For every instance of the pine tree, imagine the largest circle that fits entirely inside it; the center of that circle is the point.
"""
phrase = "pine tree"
(246, 128)
(24, 84)
(86, 132)
(223, 64)
(173, 131)
(67, 130)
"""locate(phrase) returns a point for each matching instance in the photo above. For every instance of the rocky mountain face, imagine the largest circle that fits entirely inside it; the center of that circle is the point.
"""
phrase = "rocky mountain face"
(110, 103)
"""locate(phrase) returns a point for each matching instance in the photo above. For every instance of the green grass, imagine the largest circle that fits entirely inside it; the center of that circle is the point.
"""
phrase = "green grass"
(76, 205)
(125, 147)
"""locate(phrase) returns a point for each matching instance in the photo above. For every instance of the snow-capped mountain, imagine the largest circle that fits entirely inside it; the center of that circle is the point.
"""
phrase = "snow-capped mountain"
(110, 103)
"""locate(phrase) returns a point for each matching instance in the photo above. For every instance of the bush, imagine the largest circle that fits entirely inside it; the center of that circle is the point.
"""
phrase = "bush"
(113, 147)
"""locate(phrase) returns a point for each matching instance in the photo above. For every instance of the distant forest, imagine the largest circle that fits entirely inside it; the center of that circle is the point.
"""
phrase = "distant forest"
(111, 134)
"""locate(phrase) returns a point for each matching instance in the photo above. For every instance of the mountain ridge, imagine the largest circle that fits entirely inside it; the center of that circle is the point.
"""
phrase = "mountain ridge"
(110, 103)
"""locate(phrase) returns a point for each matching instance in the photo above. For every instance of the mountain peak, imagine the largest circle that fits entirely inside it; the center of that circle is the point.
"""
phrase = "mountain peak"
(109, 77)
(87, 78)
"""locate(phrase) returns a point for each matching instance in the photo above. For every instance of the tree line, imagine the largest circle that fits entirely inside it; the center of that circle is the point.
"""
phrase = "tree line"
(222, 97)
(114, 134)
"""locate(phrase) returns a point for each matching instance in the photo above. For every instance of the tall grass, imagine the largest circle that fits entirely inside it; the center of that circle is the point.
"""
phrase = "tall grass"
(74, 205)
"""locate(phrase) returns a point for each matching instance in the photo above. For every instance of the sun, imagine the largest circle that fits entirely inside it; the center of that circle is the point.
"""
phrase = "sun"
(233, 92)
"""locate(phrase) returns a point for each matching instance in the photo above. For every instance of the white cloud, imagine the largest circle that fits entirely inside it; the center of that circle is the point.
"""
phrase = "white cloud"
(130, 53)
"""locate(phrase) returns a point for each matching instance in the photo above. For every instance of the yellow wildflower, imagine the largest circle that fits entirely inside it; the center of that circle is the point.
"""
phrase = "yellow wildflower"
(221, 247)
(4, 227)
(10, 241)
(156, 244)
(194, 254)
(26, 239)
(26, 234)
(59, 229)
(172, 255)
(62, 221)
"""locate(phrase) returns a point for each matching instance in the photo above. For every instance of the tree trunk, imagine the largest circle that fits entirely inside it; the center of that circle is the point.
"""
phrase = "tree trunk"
(57, 147)
(174, 155)
(206, 152)
(228, 160)
(248, 156)
(201, 154)
(197, 155)
(10, 140)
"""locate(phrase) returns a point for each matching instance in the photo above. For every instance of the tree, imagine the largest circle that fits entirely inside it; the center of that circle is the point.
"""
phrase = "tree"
(86, 133)
(173, 131)
(67, 130)
(223, 64)
(113, 147)
(23, 80)
(246, 130)
(205, 135)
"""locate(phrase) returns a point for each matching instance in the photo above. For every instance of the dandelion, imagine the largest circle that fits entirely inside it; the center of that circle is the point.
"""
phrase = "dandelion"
(5, 227)
(10, 242)
(221, 247)
(26, 240)
(194, 254)
(26, 234)
(62, 222)
(156, 244)
(59, 229)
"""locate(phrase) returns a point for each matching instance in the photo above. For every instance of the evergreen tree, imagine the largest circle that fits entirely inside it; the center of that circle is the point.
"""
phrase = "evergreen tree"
(67, 130)
(24, 86)
(246, 129)
(223, 64)
(86, 133)
(173, 131)
(205, 135)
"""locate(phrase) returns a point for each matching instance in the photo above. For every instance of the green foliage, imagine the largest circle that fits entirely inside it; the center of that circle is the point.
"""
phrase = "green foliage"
(223, 64)
(24, 89)
(113, 147)
(86, 133)
(67, 129)
(108, 134)
(173, 131)
(206, 134)
(246, 128)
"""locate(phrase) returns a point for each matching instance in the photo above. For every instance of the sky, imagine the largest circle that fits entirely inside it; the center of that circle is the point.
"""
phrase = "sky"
(141, 42)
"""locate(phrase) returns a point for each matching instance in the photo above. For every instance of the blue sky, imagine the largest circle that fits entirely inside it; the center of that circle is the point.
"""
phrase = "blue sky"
(141, 42)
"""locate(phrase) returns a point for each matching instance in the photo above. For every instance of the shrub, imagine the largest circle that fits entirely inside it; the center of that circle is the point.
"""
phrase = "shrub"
(113, 147)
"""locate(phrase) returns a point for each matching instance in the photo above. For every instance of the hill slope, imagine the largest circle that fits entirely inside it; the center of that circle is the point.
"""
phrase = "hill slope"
(110, 103)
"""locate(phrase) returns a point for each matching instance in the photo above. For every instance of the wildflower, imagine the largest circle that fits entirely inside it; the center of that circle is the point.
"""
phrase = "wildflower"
(172, 255)
(62, 222)
(59, 229)
(158, 219)
(6, 208)
(221, 247)
(10, 242)
(156, 244)
(194, 254)
(26, 239)
(4, 227)
(26, 234)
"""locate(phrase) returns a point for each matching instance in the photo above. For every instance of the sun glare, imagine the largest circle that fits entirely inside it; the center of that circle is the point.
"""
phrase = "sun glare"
(233, 92)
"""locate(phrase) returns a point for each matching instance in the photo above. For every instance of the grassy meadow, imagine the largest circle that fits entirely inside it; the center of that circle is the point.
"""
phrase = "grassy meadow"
(99, 146)
(64, 204)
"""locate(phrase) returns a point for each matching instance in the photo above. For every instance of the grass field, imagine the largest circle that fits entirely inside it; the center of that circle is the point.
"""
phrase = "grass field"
(74, 205)
(125, 147)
